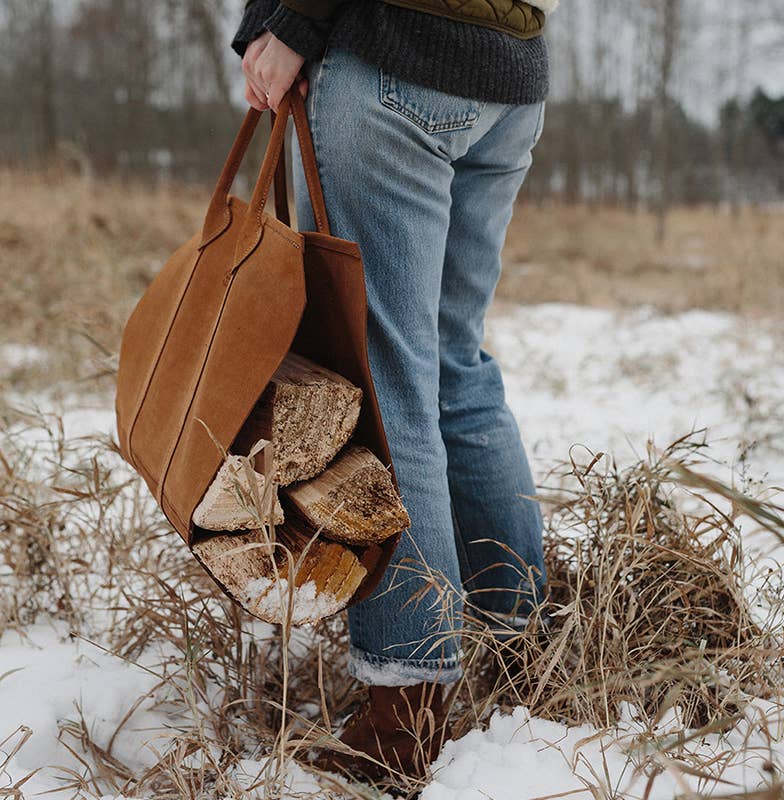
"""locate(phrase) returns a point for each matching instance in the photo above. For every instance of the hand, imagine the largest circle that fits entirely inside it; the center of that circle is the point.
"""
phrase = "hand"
(271, 68)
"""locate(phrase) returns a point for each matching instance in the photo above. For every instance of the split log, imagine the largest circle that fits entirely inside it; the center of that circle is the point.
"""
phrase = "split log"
(231, 503)
(352, 501)
(309, 414)
(256, 572)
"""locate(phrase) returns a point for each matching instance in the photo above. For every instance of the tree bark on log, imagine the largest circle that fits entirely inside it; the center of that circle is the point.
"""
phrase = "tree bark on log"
(255, 571)
(308, 412)
(352, 501)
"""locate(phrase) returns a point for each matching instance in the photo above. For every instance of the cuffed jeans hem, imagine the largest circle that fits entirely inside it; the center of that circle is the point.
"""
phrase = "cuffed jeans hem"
(376, 670)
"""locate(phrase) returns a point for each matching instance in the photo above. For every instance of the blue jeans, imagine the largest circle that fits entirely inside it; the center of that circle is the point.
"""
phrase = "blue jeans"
(425, 182)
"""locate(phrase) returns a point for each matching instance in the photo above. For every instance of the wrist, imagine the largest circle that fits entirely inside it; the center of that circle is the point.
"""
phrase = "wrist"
(253, 24)
(304, 35)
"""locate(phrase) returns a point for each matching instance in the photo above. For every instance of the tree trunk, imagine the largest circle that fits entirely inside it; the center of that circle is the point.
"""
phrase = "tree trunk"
(669, 32)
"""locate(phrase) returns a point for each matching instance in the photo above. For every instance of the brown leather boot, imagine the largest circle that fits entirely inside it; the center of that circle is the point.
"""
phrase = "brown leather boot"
(399, 729)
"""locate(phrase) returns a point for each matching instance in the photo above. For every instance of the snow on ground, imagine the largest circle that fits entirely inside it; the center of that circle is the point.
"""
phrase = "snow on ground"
(606, 380)
(521, 757)
(47, 679)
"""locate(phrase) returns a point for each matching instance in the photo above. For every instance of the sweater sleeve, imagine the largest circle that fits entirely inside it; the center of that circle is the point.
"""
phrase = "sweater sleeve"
(305, 33)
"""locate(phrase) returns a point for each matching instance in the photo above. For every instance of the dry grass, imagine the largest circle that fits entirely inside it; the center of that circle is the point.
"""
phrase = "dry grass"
(654, 607)
(609, 257)
(75, 254)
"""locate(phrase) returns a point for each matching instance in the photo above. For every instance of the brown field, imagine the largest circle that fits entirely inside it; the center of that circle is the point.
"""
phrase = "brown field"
(711, 259)
(75, 254)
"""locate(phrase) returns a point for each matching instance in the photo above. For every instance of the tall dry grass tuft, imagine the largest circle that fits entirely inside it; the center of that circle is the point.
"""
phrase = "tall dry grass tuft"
(655, 604)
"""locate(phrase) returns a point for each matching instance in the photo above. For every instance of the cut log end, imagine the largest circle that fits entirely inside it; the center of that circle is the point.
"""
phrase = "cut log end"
(308, 412)
(256, 573)
(234, 502)
(352, 501)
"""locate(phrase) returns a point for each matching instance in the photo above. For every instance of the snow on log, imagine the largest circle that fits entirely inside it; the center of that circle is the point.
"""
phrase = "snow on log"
(255, 571)
(231, 503)
(309, 414)
(352, 501)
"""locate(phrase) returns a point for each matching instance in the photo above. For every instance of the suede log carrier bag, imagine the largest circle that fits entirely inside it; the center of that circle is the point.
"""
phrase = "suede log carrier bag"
(217, 321)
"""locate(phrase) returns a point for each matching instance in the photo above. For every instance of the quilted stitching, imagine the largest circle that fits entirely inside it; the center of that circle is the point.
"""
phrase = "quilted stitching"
(514, 15)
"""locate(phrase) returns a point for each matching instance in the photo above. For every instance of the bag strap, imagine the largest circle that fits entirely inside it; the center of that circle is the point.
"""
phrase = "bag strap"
(309, 162)
(281, 188)
(218, 215)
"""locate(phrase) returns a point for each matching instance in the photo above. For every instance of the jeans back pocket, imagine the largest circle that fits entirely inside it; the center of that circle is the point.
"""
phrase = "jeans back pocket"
(430, 109)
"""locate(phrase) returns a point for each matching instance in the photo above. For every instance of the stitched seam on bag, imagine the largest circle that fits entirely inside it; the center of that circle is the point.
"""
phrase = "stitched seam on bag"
(154, 368)
(148, 475)
(282, 235)
(265, 227)
(194, 390)
(349, 250)
(195, 387)
(267, 217)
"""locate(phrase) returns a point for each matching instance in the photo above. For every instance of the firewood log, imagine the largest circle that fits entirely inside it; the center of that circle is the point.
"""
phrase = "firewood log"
(229, 504)
(256, 572)
(352, 501)
(309, 414)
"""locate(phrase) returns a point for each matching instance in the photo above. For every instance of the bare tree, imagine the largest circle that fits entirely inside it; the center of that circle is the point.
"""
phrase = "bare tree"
(667, 31)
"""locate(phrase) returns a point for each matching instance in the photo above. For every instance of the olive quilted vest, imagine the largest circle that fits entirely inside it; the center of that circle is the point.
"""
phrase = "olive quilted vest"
(524, 20)
(510, 16)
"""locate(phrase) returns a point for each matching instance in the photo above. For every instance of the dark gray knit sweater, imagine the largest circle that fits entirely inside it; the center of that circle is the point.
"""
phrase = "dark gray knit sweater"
(454, 57)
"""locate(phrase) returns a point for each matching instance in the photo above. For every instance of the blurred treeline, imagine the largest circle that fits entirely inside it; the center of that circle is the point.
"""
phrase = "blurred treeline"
(119, 86)
(152, 89)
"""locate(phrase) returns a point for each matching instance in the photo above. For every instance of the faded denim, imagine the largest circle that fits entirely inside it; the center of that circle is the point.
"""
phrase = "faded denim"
(425, 182)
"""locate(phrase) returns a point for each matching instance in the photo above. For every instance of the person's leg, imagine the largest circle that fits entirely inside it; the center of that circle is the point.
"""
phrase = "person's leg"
(499, 528)
(384, 150)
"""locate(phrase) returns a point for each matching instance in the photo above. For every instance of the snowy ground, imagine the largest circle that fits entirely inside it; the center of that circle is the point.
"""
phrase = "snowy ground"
(575, 376)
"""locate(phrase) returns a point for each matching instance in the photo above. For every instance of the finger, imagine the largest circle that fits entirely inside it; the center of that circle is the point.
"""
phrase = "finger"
(256, 48)
(276, 93)
(302, 85)
(259, 88)
(253, 98)
(250, 58)
(261, 91)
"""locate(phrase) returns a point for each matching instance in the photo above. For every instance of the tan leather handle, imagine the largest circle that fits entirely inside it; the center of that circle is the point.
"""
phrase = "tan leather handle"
(293, 101)
(218, 215)
(281, 189)
(309, 161)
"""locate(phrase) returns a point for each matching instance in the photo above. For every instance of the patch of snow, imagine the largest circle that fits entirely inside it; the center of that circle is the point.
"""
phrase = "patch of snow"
(604, 379)
(520, 757)
(18, 356)
(270, 600)
(253, 778)
(609, 380)
(47, 680)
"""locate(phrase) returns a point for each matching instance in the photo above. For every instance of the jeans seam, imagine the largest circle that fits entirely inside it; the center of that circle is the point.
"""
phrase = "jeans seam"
(459, 541)
(386, 99)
